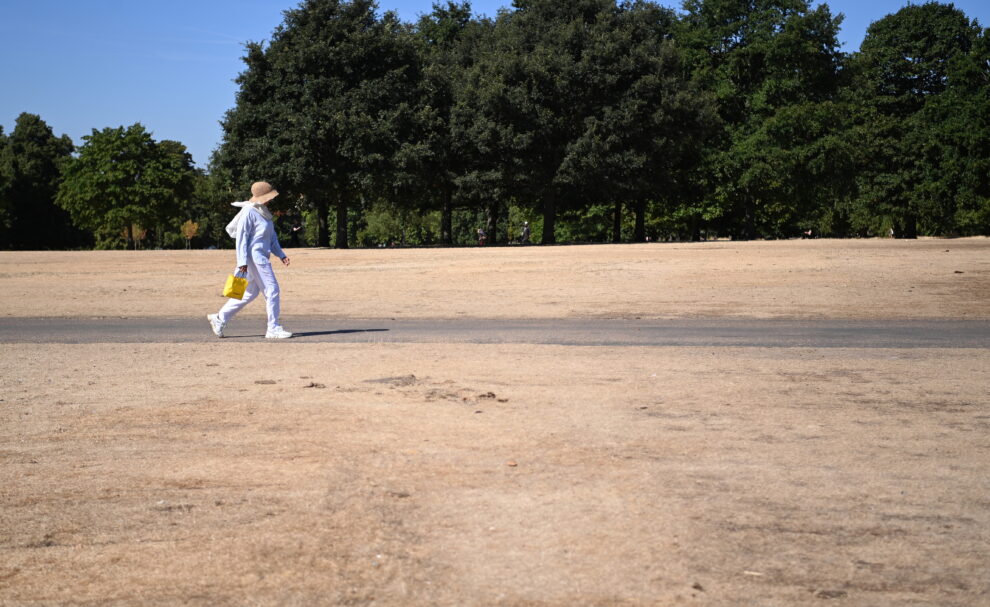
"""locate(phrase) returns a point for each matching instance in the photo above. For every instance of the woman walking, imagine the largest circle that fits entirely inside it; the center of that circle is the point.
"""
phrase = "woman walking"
(254, 232)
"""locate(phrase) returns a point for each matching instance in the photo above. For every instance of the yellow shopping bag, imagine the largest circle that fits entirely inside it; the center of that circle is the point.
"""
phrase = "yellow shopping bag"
(236, 285)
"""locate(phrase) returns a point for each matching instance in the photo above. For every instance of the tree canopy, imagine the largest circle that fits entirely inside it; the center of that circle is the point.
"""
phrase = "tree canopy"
(124, 181)
(322, 106)
(922, 87)
(589, 120)
(31, 161)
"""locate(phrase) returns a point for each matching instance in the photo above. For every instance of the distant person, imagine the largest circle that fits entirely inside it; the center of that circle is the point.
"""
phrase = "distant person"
(295, 232)
(524, 235)
(254, 232)
(482, 239)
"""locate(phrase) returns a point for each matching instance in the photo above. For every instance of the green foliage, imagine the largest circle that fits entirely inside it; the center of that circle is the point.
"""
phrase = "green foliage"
(322, 107)
(592, 120)
(210, 206)
(387, 225)
(433, 162)
(590, 224)
(922, 90)
(6, 213)
(773, 66)
(647, 124)
(30, 165)
(576, 104)
(122, 177)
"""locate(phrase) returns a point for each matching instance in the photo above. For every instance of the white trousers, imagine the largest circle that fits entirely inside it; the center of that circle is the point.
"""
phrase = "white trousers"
(261, 278)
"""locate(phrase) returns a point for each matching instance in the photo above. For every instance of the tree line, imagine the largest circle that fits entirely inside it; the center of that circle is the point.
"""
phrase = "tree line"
(589, 120)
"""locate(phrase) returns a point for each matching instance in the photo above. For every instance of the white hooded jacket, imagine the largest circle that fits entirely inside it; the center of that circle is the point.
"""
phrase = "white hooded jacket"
(254, 231)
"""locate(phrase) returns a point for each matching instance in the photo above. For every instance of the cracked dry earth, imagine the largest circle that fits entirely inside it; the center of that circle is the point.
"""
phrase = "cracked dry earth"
(475, 474)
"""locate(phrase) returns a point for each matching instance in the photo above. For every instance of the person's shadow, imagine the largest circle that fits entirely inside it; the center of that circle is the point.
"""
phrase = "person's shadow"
(337, 332)
(296, 335)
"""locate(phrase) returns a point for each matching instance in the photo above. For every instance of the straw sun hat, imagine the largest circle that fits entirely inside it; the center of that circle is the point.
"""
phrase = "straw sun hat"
(262, 191)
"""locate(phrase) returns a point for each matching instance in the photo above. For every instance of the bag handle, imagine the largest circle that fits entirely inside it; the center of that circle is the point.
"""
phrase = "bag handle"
(239, 274)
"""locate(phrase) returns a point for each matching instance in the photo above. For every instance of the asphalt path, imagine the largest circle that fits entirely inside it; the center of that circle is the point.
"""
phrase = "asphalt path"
(694, 332)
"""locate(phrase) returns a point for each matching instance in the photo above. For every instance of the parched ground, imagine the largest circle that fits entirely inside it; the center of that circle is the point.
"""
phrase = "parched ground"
(302, 473)
(847, 279)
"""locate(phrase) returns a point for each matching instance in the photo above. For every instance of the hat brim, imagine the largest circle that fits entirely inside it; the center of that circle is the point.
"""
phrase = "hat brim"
(265, 198)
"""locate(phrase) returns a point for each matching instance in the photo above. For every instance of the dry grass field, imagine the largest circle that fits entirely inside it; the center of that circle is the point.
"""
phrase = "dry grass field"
(299, 473)
(784, 279)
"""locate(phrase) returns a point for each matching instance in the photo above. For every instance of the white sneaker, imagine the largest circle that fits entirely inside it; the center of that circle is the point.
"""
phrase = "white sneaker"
(277, 333)
(216, 324)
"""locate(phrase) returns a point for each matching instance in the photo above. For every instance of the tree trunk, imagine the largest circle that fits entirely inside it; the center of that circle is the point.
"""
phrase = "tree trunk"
(491, 223)
(322, 223)
(747, 231)
(695, 229)
(617, 222)
(446, 218)
(341, 241)
(549, 220)
(129, 230)
(910, 226)
(639, 232)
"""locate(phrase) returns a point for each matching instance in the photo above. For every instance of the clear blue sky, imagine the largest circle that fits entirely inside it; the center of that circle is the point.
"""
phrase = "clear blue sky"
(170, 64)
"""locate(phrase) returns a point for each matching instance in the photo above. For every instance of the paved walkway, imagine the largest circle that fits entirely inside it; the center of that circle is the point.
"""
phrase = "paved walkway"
(570, 332)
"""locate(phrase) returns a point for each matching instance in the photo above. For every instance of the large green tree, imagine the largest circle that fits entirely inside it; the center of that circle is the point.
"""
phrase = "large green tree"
(5, 179)
(482, 133)
(31, 163)
(177, 162)
(123, 178)
(323, 107)
(213, 191)
(449, 41)
(960, 146)
(646, 123)
(922, 88)
(548, 92)
(575, 104)
(774, 67)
